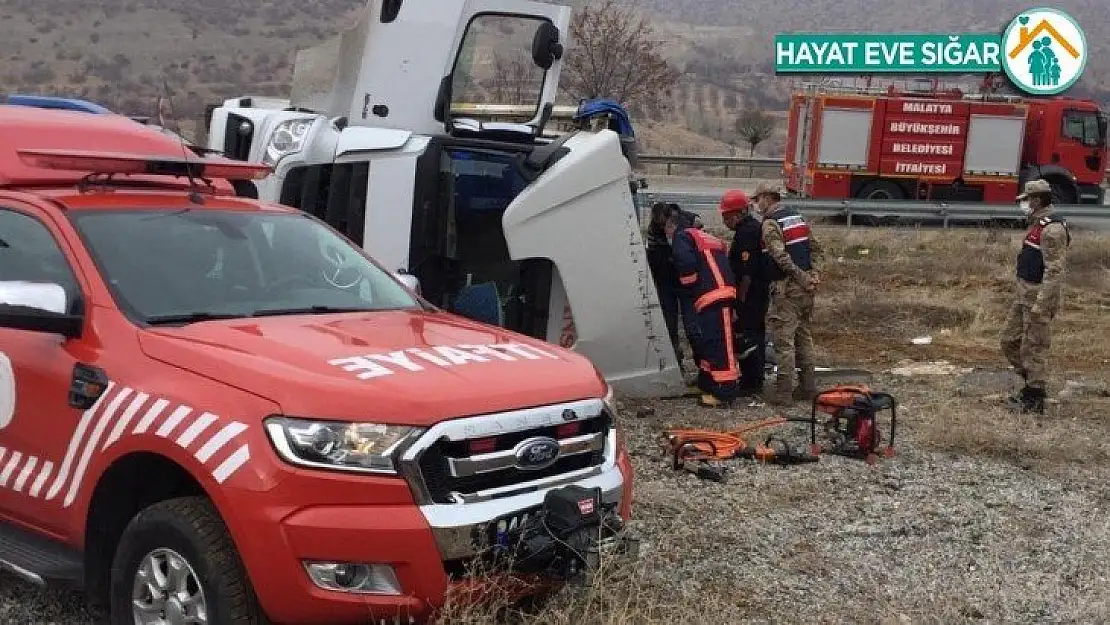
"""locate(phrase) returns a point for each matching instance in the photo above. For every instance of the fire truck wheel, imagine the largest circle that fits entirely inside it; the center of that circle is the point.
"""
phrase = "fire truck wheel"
(881, 190)
(175, 562)
(1062, 192)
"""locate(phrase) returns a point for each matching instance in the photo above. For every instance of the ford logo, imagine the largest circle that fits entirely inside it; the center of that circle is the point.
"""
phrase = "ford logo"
(569, 415)
(537, 453)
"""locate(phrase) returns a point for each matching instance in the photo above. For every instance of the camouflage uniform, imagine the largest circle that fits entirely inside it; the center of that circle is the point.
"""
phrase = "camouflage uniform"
(1026, 335)
(790, 260)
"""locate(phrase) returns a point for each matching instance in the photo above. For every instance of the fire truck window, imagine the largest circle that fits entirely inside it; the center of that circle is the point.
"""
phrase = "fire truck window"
(29, 253)
(1083, 127)
(495, 64)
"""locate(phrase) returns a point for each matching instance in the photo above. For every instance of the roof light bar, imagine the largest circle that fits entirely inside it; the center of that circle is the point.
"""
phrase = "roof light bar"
(141, 164)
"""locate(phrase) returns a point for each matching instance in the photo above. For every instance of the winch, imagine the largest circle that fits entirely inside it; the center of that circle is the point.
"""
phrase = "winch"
(566, 539)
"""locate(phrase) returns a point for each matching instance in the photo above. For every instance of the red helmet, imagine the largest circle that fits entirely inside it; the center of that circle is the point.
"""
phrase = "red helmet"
(734, 201)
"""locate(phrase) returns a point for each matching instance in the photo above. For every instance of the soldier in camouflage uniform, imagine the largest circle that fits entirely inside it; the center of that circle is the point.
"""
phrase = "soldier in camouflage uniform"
(1040, 280)
(789, 251)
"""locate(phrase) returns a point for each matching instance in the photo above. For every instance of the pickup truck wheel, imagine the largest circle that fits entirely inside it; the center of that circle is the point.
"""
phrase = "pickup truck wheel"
(176, 564)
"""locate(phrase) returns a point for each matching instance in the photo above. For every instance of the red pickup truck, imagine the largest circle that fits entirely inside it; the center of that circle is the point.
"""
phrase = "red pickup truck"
(219, 410)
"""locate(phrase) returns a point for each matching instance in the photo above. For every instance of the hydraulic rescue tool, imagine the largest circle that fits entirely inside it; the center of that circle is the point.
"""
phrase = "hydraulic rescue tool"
(705, 446)
(852, 422)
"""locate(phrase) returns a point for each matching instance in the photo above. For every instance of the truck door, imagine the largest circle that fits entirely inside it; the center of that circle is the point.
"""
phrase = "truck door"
(396, 66)
(579, 214)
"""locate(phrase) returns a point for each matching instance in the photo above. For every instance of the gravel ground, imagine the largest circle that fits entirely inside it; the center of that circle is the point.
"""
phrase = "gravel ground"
(1004, 536)
(981, 517)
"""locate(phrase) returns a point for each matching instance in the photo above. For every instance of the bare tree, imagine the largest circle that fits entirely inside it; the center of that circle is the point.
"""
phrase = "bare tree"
(514, 79)
(754, 127)
(615, 53)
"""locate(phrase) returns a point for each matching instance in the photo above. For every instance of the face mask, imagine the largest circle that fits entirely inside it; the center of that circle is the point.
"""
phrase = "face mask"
(1026, 209)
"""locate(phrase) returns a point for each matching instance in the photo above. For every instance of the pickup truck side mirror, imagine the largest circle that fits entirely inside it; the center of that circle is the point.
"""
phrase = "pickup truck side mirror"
(37, 307)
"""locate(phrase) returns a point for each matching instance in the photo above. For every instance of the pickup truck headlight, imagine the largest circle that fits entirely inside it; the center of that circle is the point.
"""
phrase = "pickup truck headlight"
(610, 401)
(355, 447)
(288, 138)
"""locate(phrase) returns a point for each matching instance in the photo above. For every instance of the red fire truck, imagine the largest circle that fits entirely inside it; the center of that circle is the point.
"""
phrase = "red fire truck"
(942, 145)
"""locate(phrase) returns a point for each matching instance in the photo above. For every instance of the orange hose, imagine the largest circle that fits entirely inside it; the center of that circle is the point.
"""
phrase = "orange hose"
(718, 445)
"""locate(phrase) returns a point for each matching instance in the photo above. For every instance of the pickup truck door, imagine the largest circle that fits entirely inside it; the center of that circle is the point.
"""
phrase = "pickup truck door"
(387, 70)
(36, 374)
(579, 213)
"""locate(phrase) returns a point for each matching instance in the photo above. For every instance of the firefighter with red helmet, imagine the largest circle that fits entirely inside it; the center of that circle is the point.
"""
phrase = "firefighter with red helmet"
(752, 288)
(709, 290)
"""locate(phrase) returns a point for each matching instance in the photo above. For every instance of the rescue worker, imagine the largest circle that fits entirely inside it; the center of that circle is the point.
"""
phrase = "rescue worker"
(752, 289)
(790, 252)
(1026, 336)
(663, 272)
(708, 289)
(662, 267)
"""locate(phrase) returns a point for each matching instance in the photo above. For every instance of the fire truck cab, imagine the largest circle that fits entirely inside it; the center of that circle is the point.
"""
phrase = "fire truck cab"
(498, 221)
(891, 144)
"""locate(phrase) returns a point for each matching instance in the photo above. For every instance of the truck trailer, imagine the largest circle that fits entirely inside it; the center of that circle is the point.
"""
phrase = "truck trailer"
(942, 145)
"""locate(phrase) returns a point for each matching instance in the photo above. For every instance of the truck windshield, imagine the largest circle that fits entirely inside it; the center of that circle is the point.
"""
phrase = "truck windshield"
(178, 266)
(1084, 127)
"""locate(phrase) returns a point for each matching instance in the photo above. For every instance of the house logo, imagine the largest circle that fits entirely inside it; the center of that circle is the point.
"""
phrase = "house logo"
(1044, 51)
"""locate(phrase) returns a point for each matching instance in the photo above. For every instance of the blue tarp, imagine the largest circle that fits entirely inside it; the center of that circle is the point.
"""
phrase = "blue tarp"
(52, 102)
(598, 106)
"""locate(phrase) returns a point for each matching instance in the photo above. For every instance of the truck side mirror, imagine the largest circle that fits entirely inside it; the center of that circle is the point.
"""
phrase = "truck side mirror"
(37, 307)
(546, 48)
(409, 280)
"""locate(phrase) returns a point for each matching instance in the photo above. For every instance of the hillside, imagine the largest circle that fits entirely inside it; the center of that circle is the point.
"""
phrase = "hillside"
(124, 53)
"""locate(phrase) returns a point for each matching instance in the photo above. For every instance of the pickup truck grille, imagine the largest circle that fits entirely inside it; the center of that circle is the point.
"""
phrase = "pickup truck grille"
(471, 466)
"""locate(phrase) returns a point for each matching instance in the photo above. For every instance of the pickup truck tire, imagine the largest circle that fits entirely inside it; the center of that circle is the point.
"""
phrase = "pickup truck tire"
(186, 530)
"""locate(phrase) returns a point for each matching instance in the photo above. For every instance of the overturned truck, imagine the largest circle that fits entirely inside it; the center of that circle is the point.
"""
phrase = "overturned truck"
(499, 222)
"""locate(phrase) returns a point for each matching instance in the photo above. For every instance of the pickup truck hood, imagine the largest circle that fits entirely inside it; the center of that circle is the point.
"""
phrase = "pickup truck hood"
(404, 367)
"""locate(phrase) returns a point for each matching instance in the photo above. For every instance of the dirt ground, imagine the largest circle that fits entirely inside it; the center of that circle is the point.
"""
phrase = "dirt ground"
(982, 516)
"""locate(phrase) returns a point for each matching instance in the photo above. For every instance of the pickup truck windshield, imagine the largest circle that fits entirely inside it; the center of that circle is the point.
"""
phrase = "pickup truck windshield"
(180, 266)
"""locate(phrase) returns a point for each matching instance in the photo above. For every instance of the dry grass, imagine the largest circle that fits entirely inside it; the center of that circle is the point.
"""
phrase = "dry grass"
(885, 287)
(807, 545)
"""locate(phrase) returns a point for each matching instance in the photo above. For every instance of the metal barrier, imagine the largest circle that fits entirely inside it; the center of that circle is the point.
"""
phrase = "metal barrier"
(1084, 216)
(728, 162)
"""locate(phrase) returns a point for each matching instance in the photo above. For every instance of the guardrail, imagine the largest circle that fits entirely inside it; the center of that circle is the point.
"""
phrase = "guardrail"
(729, 163)
(1083, 216)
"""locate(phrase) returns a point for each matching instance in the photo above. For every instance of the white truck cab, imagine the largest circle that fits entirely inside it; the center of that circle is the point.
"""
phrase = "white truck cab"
(497, 222)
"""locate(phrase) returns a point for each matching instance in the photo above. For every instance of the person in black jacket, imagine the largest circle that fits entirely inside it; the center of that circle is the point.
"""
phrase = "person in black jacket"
(662, 267)
(753, 290)
(707, 290)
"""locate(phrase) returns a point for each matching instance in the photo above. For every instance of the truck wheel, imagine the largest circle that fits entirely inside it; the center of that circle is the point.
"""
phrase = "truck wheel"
(881, 190)
(176, 563)
(1063, 192)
